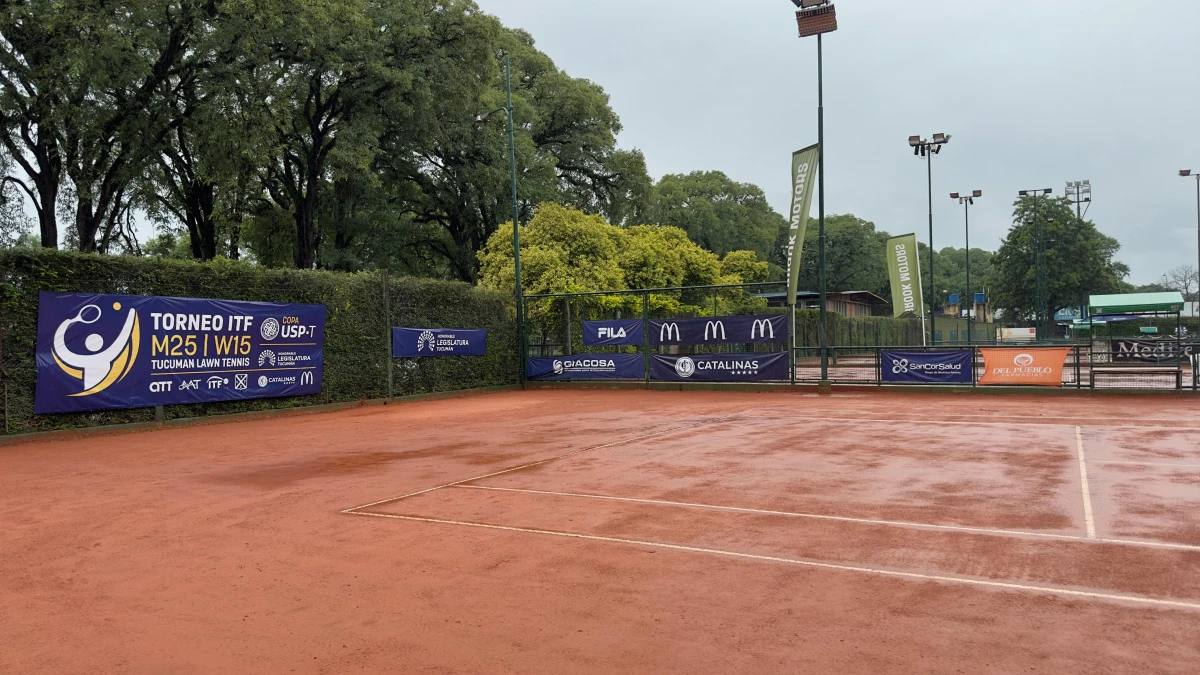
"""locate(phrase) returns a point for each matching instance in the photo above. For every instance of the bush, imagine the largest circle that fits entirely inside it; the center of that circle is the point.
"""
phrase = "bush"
(356, 355)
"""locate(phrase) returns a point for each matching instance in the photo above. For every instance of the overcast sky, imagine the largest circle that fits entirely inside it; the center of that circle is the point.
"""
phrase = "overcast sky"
(1034, 93)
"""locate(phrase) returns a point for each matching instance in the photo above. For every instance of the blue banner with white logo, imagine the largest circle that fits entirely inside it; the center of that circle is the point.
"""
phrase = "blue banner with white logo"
(97, 352)
(719, 330)
(749, 367)
(940, 367)
(616, 332)
(587, 367)
(438, 342)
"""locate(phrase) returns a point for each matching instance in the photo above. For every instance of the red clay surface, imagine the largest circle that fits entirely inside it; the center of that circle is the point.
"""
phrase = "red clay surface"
(690, 532)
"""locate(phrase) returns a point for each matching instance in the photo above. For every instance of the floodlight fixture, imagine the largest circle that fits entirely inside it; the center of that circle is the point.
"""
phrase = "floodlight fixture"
(976, 193)
(1185, 172)
(941, 139)
(815, 17)
(917, 140)
(954, 195)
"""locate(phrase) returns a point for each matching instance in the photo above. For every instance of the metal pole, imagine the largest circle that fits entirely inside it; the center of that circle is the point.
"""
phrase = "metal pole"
(823, 333)
(387, 326)
(791, 341)
(970, 297)
(1197, 312)
(932, 292)
(512, 163)
(567, 304)
(646, 337)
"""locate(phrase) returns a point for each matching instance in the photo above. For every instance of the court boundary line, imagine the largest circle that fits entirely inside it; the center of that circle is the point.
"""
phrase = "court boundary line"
(661, 432)
(1074, 422)
(1088, 519)
(851, 519)
(1048, 590)
(1163, 464)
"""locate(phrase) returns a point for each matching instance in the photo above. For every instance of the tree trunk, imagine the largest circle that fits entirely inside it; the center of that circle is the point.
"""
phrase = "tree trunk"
(47, 190)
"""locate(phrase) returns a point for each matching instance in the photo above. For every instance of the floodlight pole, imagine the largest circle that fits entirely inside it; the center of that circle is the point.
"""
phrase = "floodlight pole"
(967, 229)
(823, 331)
(1188, 173)
(932, 292)
(512, 165)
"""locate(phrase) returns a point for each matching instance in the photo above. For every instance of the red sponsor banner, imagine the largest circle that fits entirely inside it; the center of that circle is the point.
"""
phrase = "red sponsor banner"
(1040, 366)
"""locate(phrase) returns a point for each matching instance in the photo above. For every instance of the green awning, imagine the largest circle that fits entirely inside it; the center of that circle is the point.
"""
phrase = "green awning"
(1132, 303)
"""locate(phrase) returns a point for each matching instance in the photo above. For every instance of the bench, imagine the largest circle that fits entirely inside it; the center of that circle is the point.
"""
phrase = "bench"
(1137, 370)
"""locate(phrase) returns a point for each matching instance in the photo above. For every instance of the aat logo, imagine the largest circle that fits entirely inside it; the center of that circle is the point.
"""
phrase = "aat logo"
(104, 364)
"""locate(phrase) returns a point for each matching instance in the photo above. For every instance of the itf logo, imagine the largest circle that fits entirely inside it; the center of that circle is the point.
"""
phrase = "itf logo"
(103, 365)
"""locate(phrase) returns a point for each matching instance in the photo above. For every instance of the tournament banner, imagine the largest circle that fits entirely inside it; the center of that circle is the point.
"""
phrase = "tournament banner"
(98, 352)
(720, 330)
(1152, 351)
(616, 332)
(747, 367)
(904, 271)
(941, 367)
(438, 342)
(586, 367)
(1040, 366)
(804, 176)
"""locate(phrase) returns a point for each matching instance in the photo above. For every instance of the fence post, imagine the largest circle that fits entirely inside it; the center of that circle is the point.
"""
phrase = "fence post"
(1078, 384)
(879, 366)
(387, 327)
(792, 341)
(974, 377)
(646, 337)
(567, 325)
(6, 406)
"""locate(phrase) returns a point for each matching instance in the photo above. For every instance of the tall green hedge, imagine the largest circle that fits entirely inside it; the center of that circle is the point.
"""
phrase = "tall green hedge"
(356, 355)
(862, 331)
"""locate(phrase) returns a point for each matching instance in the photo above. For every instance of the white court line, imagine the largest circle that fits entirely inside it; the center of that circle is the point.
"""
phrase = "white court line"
(809, 563)
(717, 420)
(944, 422)
(1174, 466)
(848, 519)
(1075, 419)
(1083, 481)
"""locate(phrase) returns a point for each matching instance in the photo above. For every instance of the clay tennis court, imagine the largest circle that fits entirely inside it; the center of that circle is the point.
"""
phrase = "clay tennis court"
(560, 531)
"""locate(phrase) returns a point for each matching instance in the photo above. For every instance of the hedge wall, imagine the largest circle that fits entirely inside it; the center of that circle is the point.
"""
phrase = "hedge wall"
(355, 353)
(865, 331)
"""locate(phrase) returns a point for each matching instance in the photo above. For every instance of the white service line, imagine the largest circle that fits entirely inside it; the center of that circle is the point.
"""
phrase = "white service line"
(1069, 421)
(1051, 590)
(850, 519)
(1083, 480)
(546, 461)
(1166, 464)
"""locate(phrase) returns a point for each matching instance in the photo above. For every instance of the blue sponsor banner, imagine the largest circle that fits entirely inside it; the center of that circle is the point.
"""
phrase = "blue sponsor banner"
(438, 342)
(940, 367)
(97, 352)
(617, 332)
(587, 367)
(720, 330)
(749, 367)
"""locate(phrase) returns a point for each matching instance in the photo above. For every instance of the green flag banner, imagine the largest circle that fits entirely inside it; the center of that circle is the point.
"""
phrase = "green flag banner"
(904, 270)
(804, 176)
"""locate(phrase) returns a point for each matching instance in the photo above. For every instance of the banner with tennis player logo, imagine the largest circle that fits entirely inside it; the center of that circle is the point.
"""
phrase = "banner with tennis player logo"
(940, 367)
(1041, 366)
(99, 352)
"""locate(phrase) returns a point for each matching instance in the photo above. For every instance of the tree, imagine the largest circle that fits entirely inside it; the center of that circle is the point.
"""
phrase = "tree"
(1183, 279)
(718, 213)
(854, 256)
(1079, 259)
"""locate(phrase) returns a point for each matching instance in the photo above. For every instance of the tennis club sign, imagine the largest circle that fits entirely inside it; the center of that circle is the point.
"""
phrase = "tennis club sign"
(904, 271)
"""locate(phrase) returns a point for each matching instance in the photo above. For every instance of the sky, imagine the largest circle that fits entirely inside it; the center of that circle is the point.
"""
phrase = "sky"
(1034, 93)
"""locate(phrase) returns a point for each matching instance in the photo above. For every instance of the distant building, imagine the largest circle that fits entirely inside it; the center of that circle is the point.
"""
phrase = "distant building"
(846, 303)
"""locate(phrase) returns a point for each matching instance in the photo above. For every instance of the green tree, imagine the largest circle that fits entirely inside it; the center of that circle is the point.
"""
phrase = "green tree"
(1079, 259)
(854, 256)
(718, 213)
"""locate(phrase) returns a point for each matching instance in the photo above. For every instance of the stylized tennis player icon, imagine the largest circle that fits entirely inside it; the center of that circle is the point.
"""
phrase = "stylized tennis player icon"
(103, 366)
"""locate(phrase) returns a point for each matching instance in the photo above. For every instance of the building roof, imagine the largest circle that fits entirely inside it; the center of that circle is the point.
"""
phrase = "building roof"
(871, 299)
(1131, 303)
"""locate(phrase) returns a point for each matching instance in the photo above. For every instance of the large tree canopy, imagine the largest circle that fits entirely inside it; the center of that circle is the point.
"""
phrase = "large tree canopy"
(1078, 259)
(718, 213)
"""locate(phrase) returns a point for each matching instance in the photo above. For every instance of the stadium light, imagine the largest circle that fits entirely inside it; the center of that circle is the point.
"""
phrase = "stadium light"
(968, 202)
(1080, 193)
(1187, 173)
(927, 149)
(817, 17)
